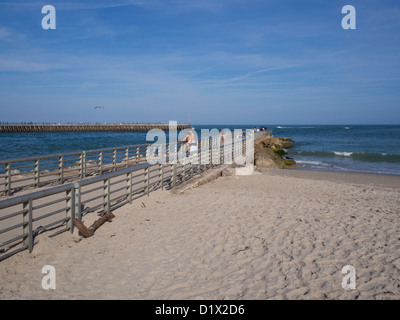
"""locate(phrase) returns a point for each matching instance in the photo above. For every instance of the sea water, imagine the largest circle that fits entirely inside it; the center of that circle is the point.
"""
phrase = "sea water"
(356, 148)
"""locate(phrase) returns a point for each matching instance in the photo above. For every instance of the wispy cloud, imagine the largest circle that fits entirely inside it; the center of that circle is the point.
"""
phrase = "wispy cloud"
(76, 5)
(250, 74)
(10, 35)
(10, 63)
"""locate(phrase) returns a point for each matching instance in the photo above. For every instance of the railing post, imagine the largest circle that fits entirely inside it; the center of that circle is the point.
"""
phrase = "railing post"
(217, 155)
(78, 207)
(244, 146)
(27, 228)
(70, 209)
(210, 152)
(114, 159)
(200, 153)
(174, 175)
(82, 163)
(226, 152)
(221, 154)
(137, 155)
(8, 179)
(235, 148)
(101, 162)
(222, 146)
(129, 186)
(161, 175)
(106, 195)
(37, 173)
(148, 155)
(61, 169)
(199, 156)
(215, 152)
(176, 151)
(146, 181)
(207, 153)
(232, 151)
(126, 157)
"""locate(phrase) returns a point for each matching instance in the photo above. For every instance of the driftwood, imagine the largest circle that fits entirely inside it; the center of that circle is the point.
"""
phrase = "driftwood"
(88, 232)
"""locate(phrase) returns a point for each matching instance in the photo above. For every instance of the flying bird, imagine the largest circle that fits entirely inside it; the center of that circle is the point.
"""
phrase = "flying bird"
(99, 107)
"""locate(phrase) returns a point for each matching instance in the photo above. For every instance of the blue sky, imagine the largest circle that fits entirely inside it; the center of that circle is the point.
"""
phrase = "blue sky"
(207, 61)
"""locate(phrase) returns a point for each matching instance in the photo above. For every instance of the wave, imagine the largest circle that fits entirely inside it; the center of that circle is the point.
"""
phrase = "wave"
(310, 162)
(359, 156)
(344, 154)
(320, 165)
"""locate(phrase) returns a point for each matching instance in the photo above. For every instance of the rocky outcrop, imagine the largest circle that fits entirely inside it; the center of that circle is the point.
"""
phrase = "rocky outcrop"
(269, 152)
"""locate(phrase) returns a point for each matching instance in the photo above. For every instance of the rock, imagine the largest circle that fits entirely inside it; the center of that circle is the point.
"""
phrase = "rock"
(269, 152)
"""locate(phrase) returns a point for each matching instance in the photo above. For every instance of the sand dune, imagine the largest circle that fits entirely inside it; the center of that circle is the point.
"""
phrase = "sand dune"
(279, 234)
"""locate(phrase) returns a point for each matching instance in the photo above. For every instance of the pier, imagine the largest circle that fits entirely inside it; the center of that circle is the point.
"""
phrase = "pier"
(65, 127)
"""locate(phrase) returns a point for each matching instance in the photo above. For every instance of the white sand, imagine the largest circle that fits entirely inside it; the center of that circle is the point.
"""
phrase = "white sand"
(281, 234)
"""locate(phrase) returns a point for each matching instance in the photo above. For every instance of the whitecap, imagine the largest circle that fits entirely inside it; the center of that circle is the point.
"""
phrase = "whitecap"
(317, 163)
(343, 154)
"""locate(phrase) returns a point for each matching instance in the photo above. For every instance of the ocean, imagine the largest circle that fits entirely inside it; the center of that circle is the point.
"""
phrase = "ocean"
(353, 148)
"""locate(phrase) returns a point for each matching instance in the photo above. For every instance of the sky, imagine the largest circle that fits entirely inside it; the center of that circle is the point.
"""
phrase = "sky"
(200, 61)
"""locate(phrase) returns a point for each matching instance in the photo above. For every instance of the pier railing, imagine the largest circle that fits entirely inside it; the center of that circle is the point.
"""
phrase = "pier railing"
(24, 217)
(34, 172)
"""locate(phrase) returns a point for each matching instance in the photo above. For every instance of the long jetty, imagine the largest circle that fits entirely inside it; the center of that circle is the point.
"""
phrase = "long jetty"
(62, 127)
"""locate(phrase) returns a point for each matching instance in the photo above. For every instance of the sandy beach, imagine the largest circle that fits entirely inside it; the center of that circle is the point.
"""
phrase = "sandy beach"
(275, 234)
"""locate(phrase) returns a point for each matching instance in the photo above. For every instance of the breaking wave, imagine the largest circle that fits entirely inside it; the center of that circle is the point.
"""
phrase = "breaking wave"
(359, 156)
